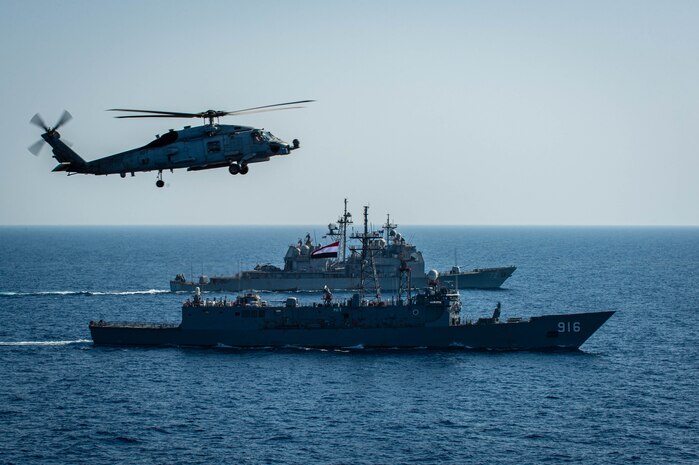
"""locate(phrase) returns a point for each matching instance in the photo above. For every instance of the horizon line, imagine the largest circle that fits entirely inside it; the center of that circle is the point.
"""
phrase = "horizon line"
(177, 225)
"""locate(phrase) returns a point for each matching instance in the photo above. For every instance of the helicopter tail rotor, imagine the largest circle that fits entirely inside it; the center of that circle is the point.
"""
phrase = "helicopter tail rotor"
(36, 147)
(51, 133)
(37, 120)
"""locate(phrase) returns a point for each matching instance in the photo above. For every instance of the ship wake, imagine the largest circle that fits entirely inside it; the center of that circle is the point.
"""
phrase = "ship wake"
(43, 343)
(10, 294)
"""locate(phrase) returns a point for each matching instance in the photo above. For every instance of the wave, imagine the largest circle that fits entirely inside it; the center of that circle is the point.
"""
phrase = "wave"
(82, 293)
(44, 343)
(355, 347)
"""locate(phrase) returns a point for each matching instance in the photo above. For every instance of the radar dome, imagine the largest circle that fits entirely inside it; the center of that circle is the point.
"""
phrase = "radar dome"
(379, 243)
(433, 275)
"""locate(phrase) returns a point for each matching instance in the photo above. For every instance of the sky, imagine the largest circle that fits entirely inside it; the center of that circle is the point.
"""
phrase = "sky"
(445, 113)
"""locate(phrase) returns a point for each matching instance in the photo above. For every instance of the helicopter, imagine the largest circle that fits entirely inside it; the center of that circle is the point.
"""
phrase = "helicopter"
(196, 148)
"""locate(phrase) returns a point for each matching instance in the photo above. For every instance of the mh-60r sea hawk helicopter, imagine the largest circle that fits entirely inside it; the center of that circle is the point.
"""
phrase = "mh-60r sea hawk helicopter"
(196, 148)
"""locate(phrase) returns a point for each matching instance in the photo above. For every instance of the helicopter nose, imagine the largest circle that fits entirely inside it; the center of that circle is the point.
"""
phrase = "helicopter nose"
(280, 148)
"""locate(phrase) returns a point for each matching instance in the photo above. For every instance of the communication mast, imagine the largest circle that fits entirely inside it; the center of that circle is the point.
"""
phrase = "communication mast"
(343, 221)
(405, 284)
(339, 233)
(367, 256)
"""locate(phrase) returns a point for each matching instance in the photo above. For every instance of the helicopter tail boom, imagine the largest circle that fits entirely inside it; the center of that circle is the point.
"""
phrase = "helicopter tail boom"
(68, 159)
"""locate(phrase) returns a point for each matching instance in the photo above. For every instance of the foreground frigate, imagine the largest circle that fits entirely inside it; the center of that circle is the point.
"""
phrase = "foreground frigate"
(309, 267)
(432, 318)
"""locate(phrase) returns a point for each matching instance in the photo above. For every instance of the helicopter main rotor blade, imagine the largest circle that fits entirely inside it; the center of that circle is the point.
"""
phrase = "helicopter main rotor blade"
(38, 121)
(267, 106)
(156, 116)
(36, 147)
(172, 114)
(210, 114)
(250, 112)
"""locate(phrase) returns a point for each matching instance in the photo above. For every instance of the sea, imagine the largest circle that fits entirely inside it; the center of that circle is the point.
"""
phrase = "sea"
(629, 395)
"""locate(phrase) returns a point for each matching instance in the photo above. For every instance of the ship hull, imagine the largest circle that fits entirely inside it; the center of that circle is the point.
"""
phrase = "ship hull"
(484, 278)
(487, 278)
(550, 332)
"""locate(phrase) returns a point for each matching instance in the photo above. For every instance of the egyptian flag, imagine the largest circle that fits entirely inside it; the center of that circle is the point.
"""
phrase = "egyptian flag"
(328, 251)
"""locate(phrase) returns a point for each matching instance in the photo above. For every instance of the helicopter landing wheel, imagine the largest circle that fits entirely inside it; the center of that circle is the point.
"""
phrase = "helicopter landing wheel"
(244, 169)
(160, 182)
(234, 168)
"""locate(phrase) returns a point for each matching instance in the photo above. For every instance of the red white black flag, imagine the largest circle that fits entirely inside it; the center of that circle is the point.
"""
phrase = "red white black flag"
(328, 251)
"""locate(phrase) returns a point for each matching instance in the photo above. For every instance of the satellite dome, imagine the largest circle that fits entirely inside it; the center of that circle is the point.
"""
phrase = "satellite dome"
(433, 275)
(379, 243)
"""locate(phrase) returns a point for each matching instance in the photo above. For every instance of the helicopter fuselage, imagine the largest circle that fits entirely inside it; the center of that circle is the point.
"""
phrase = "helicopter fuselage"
(195, 148)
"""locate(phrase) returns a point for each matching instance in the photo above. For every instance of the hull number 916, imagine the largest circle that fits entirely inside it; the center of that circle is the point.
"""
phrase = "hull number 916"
(569, 327)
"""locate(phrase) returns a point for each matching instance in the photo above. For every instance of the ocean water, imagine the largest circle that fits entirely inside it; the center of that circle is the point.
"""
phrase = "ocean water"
(630, 395)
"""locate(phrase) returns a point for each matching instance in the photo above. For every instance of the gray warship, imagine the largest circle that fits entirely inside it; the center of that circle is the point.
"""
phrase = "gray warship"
(310, 267)
(432, 318)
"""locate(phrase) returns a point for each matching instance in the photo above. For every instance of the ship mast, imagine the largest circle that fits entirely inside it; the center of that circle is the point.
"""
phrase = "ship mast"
(367, 252)
(339, 233)
(365, 244)
(343, 221)
(388, 228)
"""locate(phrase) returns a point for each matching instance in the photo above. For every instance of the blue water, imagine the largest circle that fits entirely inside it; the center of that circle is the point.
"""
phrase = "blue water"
(630, 396)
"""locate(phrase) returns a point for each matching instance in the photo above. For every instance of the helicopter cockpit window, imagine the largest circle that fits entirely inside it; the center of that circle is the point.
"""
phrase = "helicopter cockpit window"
(162, 141)
(256, 137)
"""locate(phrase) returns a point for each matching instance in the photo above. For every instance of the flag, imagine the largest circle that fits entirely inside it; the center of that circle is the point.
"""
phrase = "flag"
(328, 251)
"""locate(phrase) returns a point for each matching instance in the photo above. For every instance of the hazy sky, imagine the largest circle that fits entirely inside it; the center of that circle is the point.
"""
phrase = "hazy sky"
(489, 112)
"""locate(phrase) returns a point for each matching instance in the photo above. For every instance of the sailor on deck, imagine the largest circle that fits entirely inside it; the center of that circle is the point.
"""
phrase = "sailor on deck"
(496, 313)
(327, 295)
